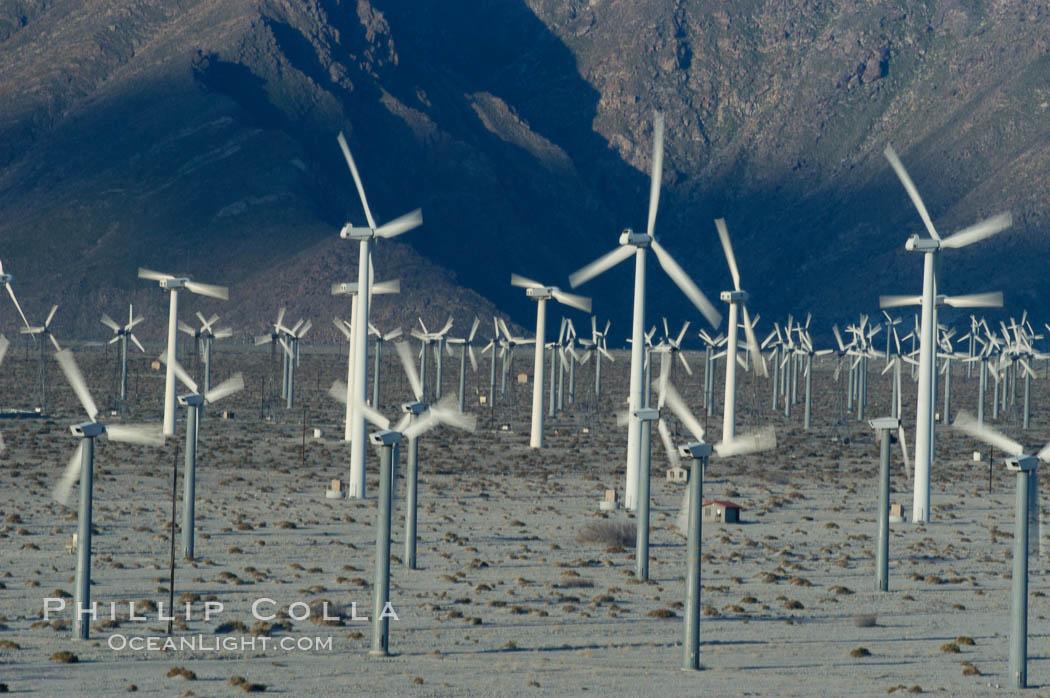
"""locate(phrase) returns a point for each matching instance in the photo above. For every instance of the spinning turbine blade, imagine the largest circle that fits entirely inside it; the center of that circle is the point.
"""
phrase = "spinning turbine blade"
(231, 385)
(761, 440)
(447, 412)
(673, 400)
(143, 434)
(110, 323)
(913, 193)
(727, 247)
(572, 300)
(665, 437)
(372, 416)
(4, 344)
(897, 301)
(522, 282)
(976, 300)
(135, 339)
(357, 180)
(338, 391)
(968, 425)
(606, 261)
(401, 224)
(752, 345)
(978, 231)
(11, 292)
(212, 290)
(683, 282)
(76, 381)
(180, 372)
(153, 275)
(404, 352)
(657, 172)
(69, 476)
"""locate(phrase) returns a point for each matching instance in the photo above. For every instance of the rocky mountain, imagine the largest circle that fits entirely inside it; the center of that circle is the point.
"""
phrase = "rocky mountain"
(199, 136)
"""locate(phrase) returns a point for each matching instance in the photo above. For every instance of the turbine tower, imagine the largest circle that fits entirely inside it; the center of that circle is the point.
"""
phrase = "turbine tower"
(632, 243)
(172, 284)
(930, 248)
(541, 294)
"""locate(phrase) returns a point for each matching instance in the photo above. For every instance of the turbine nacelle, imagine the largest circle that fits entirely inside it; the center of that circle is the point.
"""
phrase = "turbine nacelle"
(1022, 464)
(385, 438)
(191, 399)
(6, 278)
(918, 244)
(541, 293)
(734, 296)
(417, 408)
(174, 283)
(629, 237)
(349, 232)
(344, 288)
(697, 449)
(87, 429)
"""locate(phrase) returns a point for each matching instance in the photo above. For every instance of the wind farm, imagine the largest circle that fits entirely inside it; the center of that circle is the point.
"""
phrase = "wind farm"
(778, 454)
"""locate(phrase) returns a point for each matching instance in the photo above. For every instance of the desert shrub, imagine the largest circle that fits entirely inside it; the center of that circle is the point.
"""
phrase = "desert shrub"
(608, 533)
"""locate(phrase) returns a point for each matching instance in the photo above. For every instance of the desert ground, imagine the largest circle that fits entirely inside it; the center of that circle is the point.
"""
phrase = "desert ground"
(512, 597)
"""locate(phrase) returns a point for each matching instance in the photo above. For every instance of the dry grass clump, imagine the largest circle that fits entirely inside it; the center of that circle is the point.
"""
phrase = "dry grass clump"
(860, 652)
(181, 671)
(970, 670)
(608, 533)
(65, 657)
(950, 647)
(964, 640)
(660, 613)
(246, 685)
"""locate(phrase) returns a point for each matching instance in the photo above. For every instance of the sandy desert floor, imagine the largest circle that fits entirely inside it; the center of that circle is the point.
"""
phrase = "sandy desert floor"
(508, 600)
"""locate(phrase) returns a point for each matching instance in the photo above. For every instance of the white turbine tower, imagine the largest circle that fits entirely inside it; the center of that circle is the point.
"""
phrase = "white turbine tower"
(541, 294)
(632, 243)
(736, 300)
(172, 284)
(927, 346)
(402, 224)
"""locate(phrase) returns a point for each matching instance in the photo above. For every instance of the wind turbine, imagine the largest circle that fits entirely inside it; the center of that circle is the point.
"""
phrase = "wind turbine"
(636, 244)
(82, 466)
(541, 294)
(204, 335)
(6, 280)
(466, 349)
(194, 401)
(402, 224)
(172, 284)
(427, 338)
(737, 298)
(351, 289)
(44, 329)
(1026, 532)
(123, 334)
(381, 338)
(930, 248)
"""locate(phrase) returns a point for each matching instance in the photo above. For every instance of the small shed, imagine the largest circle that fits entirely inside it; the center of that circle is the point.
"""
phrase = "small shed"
(677, 474)
(523, 378)
(721, 511)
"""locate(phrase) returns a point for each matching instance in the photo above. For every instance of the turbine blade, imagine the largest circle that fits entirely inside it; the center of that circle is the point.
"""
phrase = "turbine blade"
(752, 345)
(978, 231)
(357, 180)
(135, 339)
(447, 412)
(669, 449)
(404, 352)
(179, 372)
(897, 301)
(153, 275)
(764, 439)
(50, 316)
(572, 300)
(401, 224)
(913, 193)
(473, 359)
(686, 284)
(657, 171)
(70, 475)
(143, 434)
(11, 292)
(522, 282)
(678, 406)
(727, 247)
(110, 323)
(231, 385)
(968, 425)
(4, 344)
(606, 261)
(211, 290)
(54, 341)
(976, 300)
(338, 391)
(76, 381)
(371, 415)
